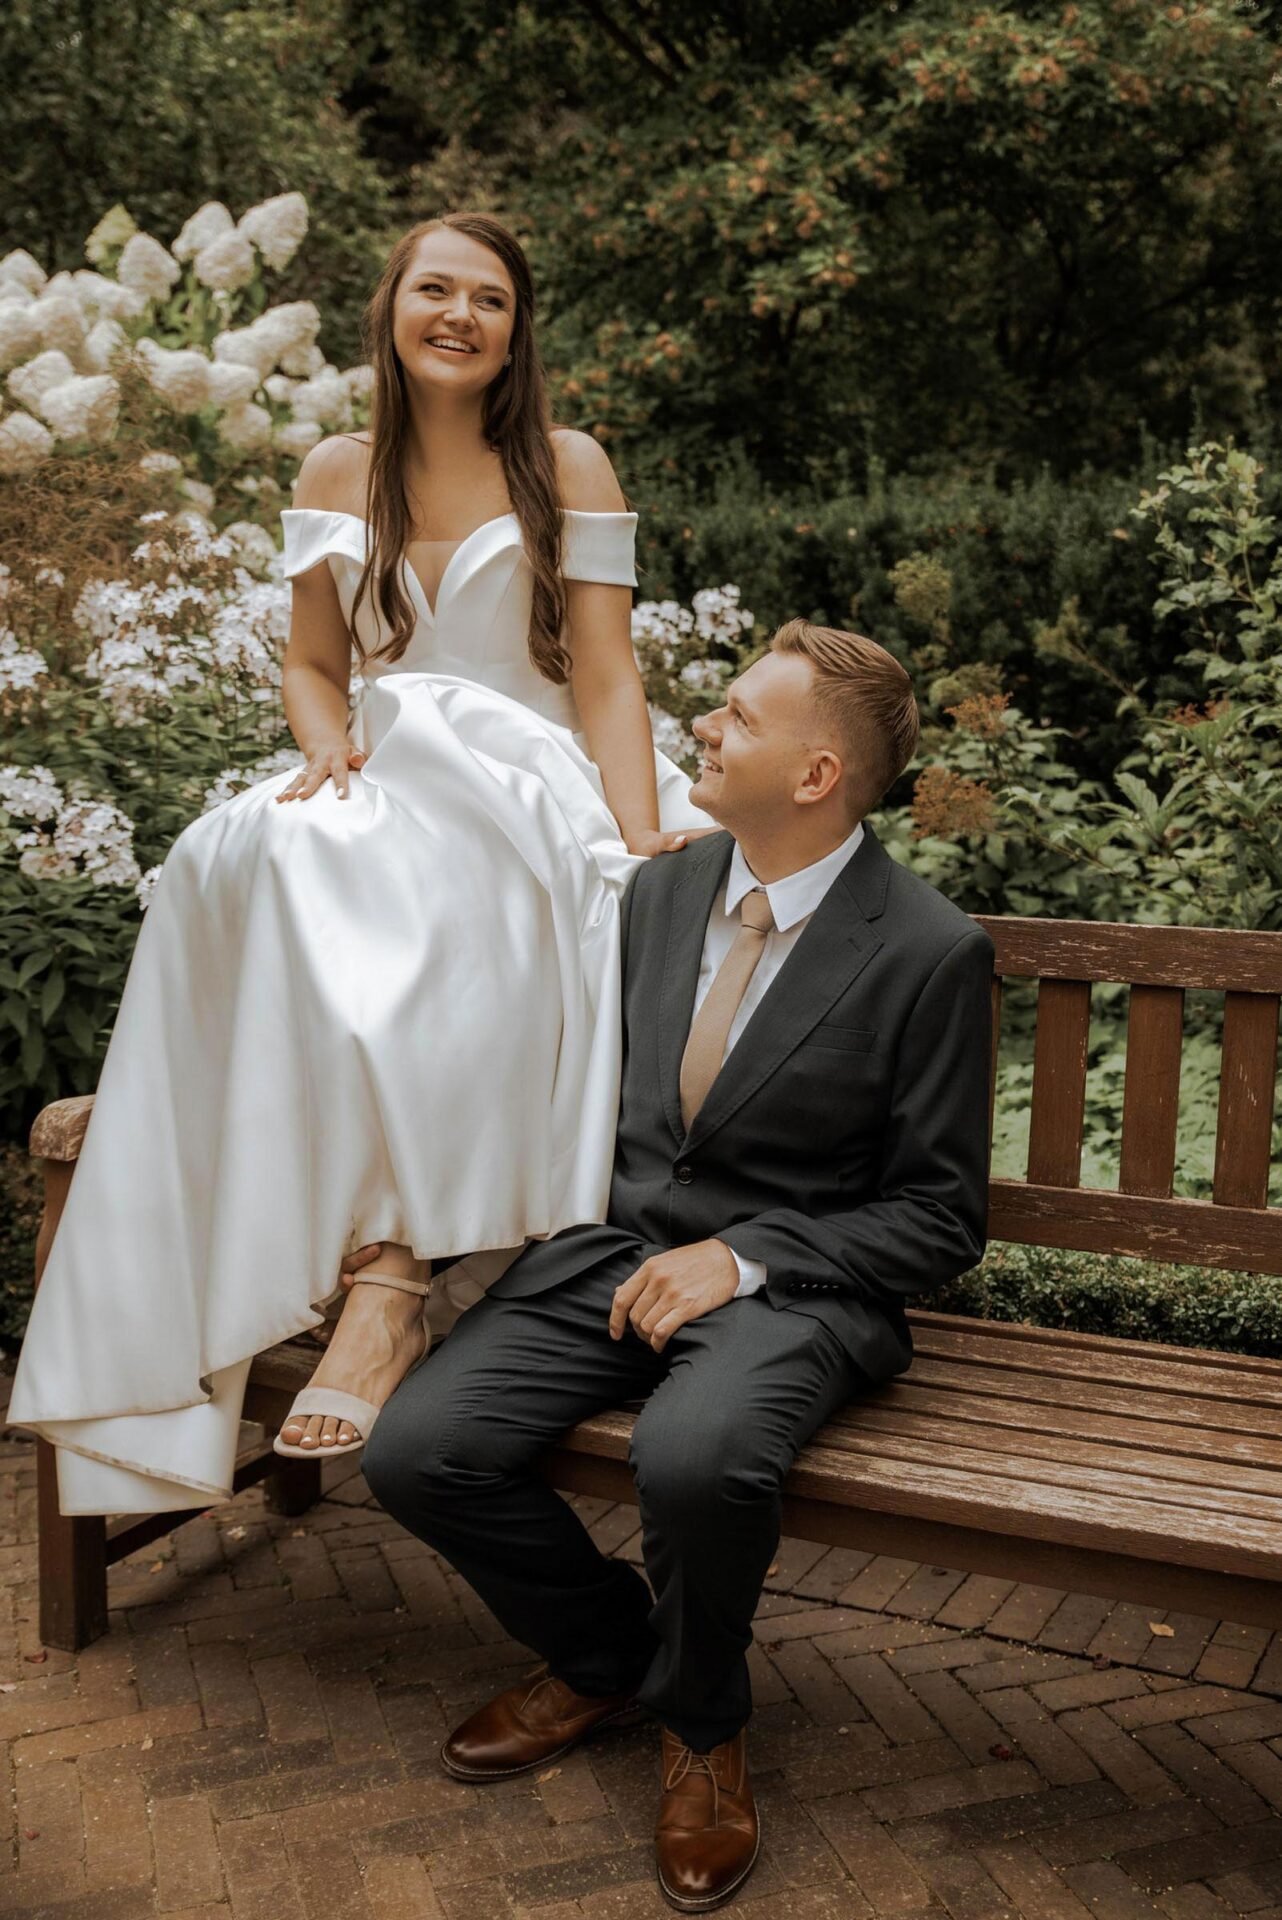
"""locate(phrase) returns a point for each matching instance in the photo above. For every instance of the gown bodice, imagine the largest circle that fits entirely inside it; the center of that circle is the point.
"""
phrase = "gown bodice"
(481, 624)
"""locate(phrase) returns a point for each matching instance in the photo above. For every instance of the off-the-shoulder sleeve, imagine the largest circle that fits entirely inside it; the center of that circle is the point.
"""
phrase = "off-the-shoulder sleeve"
(313, 535)
(599, 546)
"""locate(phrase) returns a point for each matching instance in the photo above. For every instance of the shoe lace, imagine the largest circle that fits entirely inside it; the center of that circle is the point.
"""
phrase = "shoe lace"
(542, 1678)
(688, 1761)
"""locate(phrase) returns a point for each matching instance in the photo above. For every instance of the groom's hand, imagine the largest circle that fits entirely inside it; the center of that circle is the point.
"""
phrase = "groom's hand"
(682, 1284)
(353, 1262)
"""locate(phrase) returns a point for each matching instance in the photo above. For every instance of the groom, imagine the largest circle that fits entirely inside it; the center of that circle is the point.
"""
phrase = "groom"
(801, 1151)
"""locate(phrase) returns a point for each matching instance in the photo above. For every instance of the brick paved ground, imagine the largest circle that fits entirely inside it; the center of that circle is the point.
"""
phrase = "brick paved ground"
(256, 1739)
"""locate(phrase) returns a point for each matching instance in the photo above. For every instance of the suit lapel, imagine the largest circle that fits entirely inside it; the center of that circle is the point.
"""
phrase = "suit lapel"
(832, 951)
(704, 866)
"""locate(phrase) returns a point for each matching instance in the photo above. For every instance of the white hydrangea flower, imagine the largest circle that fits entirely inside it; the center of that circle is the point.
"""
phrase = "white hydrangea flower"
(297, 437)
(277, 227)
(24, 443)
(202, 228)
(30, 793)
(360, 382)
(16, 292)
(303, 361)
(104, 344)
(86, 407)
(116, 229)
(59, 319)
(20, 266)
(280, 388)
(20, 667)
(225, 264)
(253, 544)
(246, 427)
(160, 463)
(147, 267)
(48, 577)
(234, 780)
(180, 375)
(48, 369)
(230, 384)
(326, 398)
(107, 299)
(19, 334)
(201, 496)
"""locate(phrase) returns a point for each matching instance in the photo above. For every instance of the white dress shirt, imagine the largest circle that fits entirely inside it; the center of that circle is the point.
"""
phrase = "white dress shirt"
(792, 902)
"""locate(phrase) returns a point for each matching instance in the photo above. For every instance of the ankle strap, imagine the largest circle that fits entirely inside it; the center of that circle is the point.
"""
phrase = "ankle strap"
(365, 1278)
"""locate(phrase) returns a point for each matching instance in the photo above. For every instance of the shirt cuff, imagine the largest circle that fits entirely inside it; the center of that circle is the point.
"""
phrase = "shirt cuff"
(752, 1275)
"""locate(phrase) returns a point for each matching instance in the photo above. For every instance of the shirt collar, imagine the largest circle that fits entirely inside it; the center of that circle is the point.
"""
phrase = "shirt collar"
(796, 896)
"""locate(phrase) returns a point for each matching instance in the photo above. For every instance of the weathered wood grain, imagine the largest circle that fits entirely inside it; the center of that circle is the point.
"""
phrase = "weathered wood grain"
(1059, 1083)
(1150, 1105)
(1219, 958)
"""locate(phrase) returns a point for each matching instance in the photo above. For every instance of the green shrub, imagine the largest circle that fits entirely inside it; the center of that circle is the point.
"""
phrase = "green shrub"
(1124, 1298)
(20, 1203)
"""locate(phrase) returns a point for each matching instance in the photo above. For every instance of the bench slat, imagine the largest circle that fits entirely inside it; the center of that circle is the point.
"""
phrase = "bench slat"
(1086, 1395)
(1146, 1439)
(1186, 1232)
(1215, 957)
(1151, 1100)
(1059, 1083)
(1224, 1394)
(1248, 1078)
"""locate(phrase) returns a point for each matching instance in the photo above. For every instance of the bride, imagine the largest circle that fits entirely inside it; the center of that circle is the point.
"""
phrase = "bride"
(376, 1001)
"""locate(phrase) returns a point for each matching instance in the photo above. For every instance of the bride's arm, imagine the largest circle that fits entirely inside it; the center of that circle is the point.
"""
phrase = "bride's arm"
(318, 659)
(606, 684)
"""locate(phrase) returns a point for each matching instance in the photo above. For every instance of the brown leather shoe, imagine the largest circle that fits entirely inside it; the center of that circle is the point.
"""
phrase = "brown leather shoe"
(708, 1836)
(528, 1725)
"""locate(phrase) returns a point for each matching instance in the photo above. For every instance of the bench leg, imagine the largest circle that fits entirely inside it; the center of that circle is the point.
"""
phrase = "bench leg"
(73, 1565)
(292, 1486)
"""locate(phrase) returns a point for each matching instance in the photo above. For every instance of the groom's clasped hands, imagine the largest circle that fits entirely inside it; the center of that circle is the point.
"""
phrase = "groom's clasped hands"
(664, 1293)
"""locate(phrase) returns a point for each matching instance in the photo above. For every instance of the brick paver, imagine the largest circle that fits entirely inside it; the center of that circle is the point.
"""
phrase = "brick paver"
(257, 1740)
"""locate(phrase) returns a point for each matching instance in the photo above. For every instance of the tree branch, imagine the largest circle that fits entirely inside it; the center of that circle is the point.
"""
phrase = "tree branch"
(633, 48)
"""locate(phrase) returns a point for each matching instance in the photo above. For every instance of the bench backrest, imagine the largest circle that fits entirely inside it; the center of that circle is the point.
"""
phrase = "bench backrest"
(1236, 1228)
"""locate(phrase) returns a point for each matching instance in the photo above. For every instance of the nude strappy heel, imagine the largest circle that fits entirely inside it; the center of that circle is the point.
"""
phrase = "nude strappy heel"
(332, 1401)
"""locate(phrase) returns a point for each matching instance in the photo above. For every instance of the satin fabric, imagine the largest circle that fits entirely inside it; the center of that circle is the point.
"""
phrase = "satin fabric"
(391, 1017)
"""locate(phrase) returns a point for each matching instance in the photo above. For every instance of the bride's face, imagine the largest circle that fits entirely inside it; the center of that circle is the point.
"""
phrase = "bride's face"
(457, 291)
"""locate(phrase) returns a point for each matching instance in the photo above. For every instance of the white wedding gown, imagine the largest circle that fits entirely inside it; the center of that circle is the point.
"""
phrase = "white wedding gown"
(393, 1017)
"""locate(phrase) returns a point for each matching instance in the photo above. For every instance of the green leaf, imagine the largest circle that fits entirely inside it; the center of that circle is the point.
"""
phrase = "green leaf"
(51, 995)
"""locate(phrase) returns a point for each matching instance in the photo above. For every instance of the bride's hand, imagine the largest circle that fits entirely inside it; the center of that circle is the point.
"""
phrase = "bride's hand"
(649, 843)
(332, 762)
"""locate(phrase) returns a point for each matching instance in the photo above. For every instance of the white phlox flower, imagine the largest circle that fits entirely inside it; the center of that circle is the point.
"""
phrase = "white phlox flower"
(147, 267)
(179, 375)
(297, 437)
(20, 667)
(116, 229)
(234, 780)
(31, 382)
(704, 676)
(246, 427)
(48, 577)
(93, 838)
(277, 227)
(670, 737)
(146, 887)
(20, 266)
(24, 443)
(225, 264)
(86, 407)
(718, 615)
(202, 228)
(30, 793)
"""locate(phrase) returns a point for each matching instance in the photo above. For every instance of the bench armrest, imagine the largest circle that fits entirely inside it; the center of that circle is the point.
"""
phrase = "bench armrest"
(59, 1130)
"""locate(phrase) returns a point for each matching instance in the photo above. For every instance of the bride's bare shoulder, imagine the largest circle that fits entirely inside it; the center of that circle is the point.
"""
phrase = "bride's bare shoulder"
(585, 478)
(332, 477)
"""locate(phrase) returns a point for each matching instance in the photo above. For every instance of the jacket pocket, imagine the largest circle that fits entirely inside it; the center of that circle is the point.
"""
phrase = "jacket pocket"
(840, 1039)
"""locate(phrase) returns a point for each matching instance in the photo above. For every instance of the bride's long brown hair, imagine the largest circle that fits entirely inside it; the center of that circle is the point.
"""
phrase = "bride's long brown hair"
(516, 421)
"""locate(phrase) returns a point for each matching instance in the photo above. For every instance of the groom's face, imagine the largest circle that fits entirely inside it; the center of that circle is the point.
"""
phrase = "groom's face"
(758, 746)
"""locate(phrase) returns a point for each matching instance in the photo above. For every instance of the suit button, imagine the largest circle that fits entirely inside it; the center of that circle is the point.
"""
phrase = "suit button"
(794, 1286)
(685, 1175)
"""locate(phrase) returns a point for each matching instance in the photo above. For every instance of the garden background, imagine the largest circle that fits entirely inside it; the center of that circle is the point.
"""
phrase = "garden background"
(958, 324)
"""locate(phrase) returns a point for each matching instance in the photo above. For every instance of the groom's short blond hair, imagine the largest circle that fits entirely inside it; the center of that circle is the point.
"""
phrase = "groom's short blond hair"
(865, 696)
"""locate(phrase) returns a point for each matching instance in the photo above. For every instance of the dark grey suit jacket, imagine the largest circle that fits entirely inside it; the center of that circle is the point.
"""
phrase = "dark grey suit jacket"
(845, 1140)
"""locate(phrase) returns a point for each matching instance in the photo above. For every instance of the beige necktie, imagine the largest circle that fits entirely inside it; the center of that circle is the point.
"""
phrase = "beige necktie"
(706, 1046)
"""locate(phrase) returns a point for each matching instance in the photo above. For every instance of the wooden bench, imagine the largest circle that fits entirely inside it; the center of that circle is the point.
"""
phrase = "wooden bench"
(1110, 1467)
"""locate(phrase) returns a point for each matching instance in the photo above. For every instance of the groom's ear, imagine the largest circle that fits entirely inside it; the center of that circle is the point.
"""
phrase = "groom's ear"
(824, 774)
